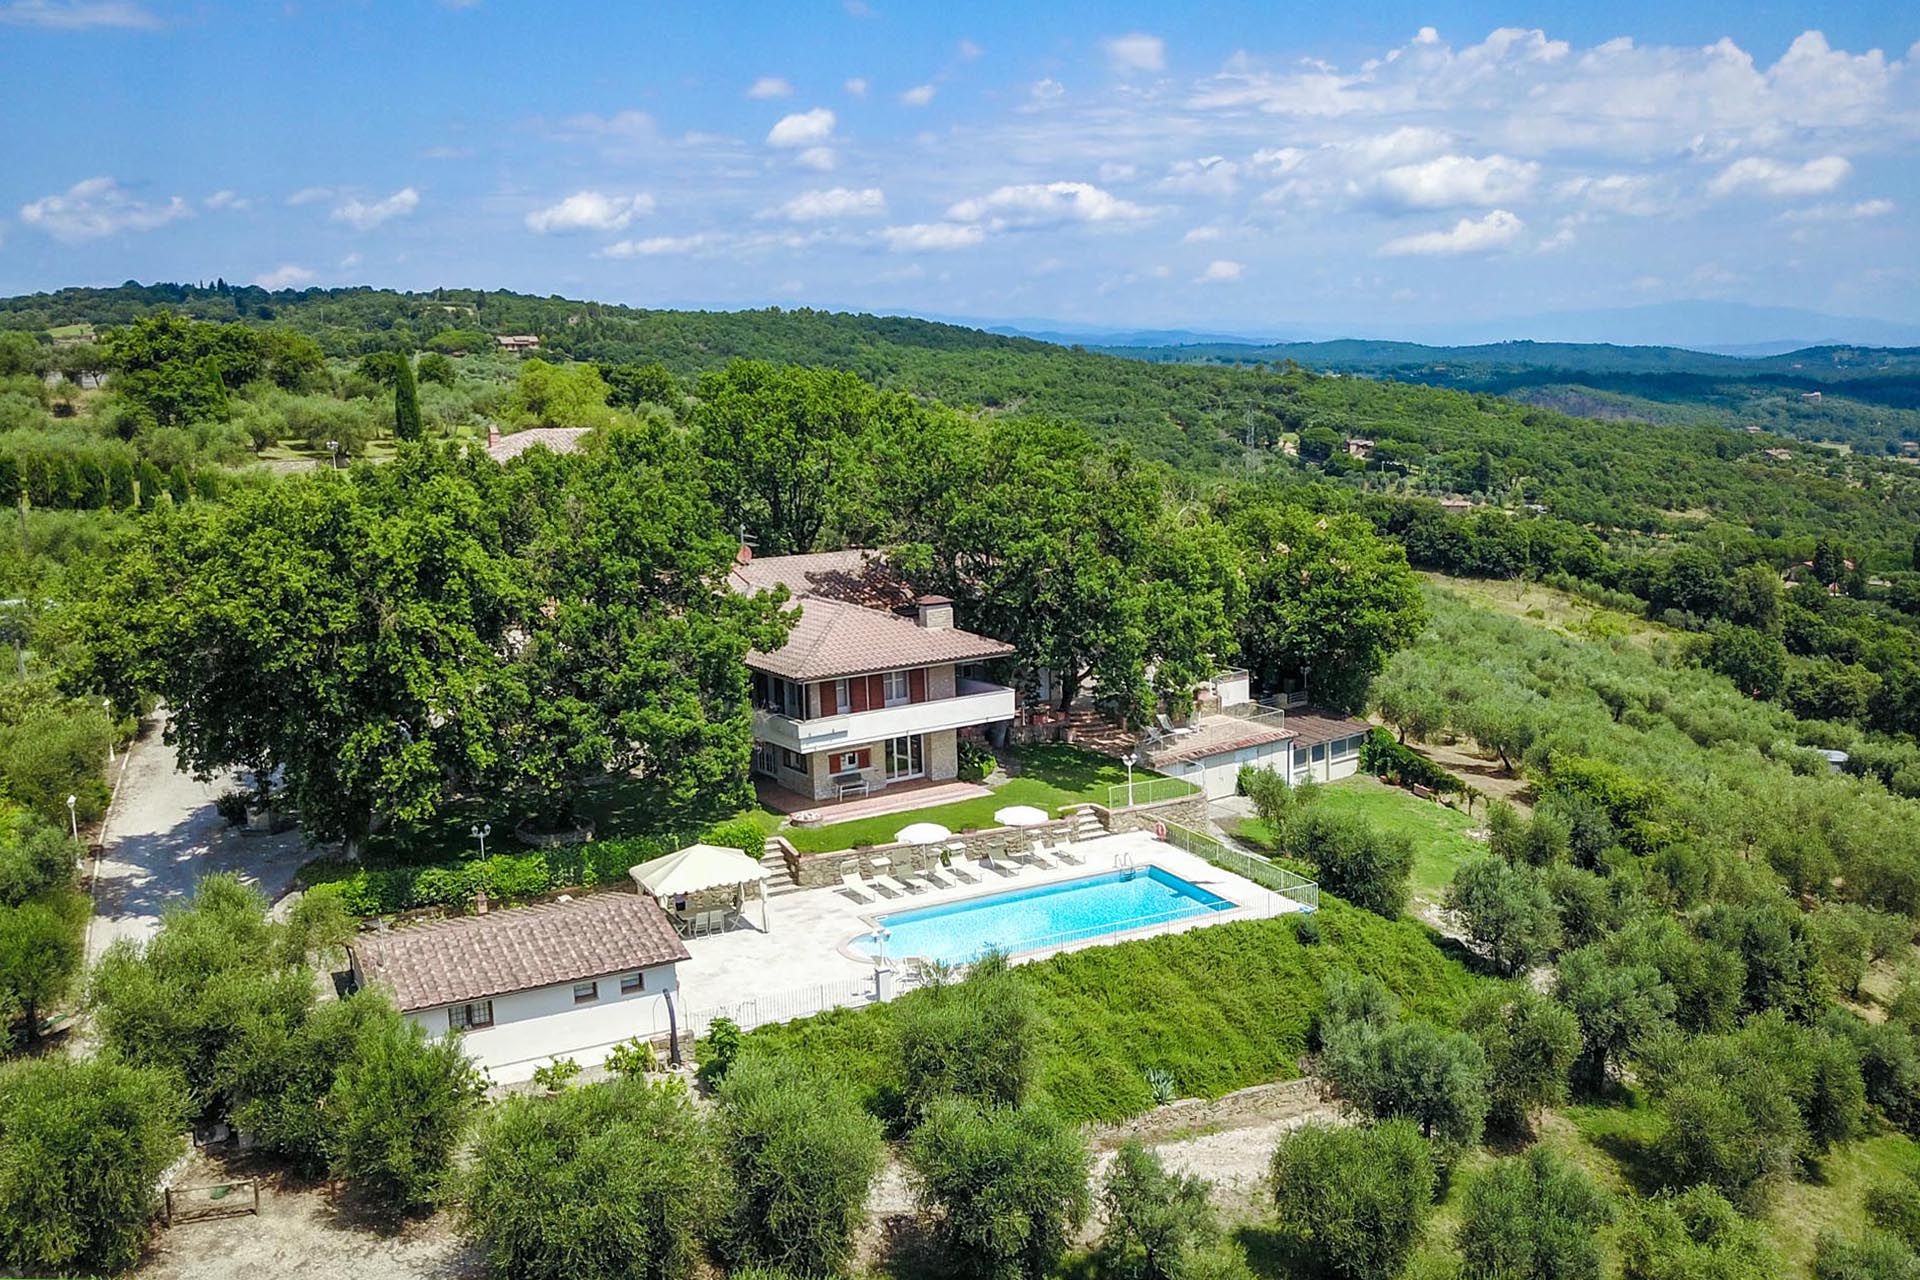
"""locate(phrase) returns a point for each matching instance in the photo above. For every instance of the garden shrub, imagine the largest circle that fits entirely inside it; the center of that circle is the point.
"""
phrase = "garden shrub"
(973, 1039)
(373, 891)
(1158, 1223)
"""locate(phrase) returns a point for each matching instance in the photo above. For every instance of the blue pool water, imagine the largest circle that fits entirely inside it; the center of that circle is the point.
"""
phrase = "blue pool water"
(1045, 916)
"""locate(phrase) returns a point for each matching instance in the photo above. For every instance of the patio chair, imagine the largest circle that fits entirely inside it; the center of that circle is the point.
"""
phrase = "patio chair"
(850, 882)
(1167, 726)
(931, 874)
(903, 879)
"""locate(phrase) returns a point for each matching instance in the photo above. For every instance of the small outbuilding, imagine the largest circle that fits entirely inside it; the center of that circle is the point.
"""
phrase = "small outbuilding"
(529, 984)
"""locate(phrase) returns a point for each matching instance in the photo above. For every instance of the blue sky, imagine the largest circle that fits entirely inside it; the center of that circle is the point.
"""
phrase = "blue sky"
(1226, 166)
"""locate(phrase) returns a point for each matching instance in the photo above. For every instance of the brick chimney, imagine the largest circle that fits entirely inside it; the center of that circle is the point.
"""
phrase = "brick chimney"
(935, 613)
(480, 901)
(493, 435)
(744, 555)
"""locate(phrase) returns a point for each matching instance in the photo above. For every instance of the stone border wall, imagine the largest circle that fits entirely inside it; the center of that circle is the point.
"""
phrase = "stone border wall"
(816, 870)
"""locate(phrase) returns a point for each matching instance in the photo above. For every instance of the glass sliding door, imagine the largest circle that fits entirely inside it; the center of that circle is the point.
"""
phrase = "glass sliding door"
(905, 758)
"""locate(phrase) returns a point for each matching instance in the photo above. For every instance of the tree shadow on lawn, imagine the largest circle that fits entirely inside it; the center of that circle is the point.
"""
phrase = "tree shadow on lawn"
(909, 1249)
(1273, 1253)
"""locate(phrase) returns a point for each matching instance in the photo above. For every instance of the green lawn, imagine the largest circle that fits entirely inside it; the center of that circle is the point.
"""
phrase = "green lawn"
(1049, 775)
(1439, 834)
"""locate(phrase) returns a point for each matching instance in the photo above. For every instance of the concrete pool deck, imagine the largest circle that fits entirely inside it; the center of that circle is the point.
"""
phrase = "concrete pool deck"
(801, 966)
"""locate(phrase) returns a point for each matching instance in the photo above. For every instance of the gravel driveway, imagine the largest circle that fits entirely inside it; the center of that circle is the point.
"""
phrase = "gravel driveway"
(161, 834)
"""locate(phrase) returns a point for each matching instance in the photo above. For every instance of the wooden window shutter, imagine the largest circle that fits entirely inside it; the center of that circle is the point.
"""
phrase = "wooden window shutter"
(917, 685)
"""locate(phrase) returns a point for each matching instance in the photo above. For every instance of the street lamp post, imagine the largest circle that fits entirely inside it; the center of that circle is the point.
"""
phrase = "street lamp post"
(73, 817)
(106, 705)
(333, 450)
(1128, 760)
(480, 831)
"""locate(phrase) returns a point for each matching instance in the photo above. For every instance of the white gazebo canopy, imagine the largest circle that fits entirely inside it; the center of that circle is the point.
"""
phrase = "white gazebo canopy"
(698, 867)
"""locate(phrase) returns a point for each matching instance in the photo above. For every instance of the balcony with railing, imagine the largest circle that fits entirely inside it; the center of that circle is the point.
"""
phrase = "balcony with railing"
(974, 702)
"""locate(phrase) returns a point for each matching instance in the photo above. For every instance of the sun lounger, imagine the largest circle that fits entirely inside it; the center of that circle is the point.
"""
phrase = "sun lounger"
(905, 881)
(1035, 857)
(996, 866)
(1169, 727)
(850, 882)
(959, 872)
(1064, 852)
(932, 876)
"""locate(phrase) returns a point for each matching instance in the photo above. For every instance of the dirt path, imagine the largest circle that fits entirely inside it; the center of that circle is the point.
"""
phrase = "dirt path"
(161, 835)
(1481, 771)
(301, 1234)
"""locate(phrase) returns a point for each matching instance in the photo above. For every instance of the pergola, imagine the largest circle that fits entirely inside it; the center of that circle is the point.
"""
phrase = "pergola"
(698, 868)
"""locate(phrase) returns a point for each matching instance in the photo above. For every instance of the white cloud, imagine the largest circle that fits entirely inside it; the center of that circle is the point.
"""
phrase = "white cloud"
(77, 15)
(658, 246)
(968, 50)
(1469, 235)
(802, 128)
(1452, 180)
(821, 159)
(1044, 93)
(1780, 178)
(285, 276)
(769, 87)
(628, 125)
(1034, 203)
(590, 211)
(227, 200)
(1136, 51)
(1116, 171)
(310, 195)
(1209, 175)
(837, 202)
(350, 261)
(856, 87)
(98, 207)
(364, 216)
(1613, 193)
(1221, 271)
(1876, 208)
(933, 237)
(1202, 235)
(918, 96)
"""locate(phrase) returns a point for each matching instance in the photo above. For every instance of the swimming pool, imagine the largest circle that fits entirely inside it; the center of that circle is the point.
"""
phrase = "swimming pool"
(1048, 915)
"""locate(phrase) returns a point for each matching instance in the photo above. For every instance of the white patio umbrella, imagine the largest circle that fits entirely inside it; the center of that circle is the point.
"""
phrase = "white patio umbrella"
(1021, 815)
(923, 833)
(702, 866)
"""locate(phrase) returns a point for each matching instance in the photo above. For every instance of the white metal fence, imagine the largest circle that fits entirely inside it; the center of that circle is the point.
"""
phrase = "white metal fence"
(1295, 888)
(779, 1006)
(1125, 795)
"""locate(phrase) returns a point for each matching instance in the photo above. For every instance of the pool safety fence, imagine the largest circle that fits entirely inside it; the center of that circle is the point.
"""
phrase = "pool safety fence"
(1302, 892)
(1130, 795)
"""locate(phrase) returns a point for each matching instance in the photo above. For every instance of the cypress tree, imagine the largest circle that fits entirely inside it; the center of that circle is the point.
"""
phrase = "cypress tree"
(406, 400)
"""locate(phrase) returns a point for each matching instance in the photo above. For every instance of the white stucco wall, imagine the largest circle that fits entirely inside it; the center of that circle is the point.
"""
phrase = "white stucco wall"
(531, 1028)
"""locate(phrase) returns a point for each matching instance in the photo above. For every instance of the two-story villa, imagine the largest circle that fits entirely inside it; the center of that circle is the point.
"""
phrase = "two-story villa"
(873, 685)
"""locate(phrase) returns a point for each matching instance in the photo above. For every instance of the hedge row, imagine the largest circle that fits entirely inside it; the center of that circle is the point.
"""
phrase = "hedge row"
(369, 891)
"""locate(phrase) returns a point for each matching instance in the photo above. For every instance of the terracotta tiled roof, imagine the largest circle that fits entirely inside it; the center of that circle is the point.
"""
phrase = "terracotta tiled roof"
(1212, 738)
(832, 639)
(518, 949)
(854, 576)
(1311, 727)
(558, 439)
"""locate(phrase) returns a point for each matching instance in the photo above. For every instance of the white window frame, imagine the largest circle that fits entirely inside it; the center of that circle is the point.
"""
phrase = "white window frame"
(592, 990)
(892, 698)
(842, 697)
(846, 762)
(460, 1017)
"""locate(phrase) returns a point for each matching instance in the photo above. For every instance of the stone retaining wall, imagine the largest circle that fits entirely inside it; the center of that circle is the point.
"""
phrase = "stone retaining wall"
(814, 870)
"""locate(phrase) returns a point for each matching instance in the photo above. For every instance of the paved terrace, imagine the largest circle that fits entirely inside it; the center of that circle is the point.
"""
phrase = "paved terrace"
(800, 967)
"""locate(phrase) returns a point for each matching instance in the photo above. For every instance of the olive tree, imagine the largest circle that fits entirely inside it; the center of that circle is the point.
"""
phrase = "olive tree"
(1352, 1199)
(1007, 1187)
(803, 1156)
